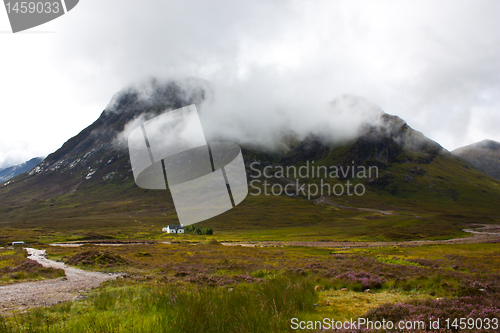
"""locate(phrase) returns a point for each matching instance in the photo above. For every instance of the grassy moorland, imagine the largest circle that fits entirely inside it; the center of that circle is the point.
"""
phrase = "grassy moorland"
(258, 218)
(214, 288)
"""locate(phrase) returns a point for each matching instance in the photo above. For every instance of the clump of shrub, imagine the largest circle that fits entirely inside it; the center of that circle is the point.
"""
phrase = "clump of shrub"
(360, 280)
(96, 259)
(29, 270)
(94, 236)
(398, 261)
(212, 241)
(219, 281)
(263, 273)
(446, 308)
(425, 262)
(199, 230)
(27, 265)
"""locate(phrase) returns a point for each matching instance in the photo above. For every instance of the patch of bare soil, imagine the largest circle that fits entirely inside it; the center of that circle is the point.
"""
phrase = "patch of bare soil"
(21, 296)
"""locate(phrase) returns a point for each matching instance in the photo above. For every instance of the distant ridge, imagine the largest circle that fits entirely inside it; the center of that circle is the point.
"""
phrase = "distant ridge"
(12, 171)
(484, 155)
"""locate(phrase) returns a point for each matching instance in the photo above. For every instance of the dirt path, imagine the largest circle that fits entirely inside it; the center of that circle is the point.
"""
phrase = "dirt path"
(20, 296)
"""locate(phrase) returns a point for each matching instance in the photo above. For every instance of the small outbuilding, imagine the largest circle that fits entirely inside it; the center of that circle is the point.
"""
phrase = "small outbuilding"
(18, 243)
(174, 229)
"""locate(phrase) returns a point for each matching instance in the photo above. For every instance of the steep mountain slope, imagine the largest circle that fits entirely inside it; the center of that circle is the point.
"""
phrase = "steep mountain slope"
(484, 155)
(12, 171)
(91, 174)
(87, 184)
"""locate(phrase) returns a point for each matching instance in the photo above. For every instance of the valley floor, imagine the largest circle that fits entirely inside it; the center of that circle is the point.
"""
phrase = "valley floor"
(205, 286)
(486, 234)
(482, 233)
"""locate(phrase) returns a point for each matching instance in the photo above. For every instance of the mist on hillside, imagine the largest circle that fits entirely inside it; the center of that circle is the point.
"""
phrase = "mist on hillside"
(255, 114)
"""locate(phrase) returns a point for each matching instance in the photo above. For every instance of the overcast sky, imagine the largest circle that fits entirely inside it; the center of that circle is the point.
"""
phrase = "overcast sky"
(433, 63)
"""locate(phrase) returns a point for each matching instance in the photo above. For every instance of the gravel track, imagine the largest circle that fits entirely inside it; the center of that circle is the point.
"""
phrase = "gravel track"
(20, 296)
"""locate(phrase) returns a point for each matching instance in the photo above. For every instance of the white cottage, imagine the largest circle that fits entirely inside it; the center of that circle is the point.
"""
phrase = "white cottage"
(174, 229)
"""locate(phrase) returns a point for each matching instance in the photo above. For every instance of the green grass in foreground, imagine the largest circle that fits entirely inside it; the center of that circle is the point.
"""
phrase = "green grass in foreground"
(144, 308)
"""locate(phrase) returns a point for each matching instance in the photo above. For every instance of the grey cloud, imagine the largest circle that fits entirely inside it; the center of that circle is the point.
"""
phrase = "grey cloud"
(276, 65)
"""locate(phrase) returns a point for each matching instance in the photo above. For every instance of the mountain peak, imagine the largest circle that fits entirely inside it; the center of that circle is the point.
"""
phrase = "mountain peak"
(156, 93)
(484, 155)
(14, 170)
(487, 144)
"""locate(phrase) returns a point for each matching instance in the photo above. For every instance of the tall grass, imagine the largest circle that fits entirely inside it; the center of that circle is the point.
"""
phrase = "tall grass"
(265, 307)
